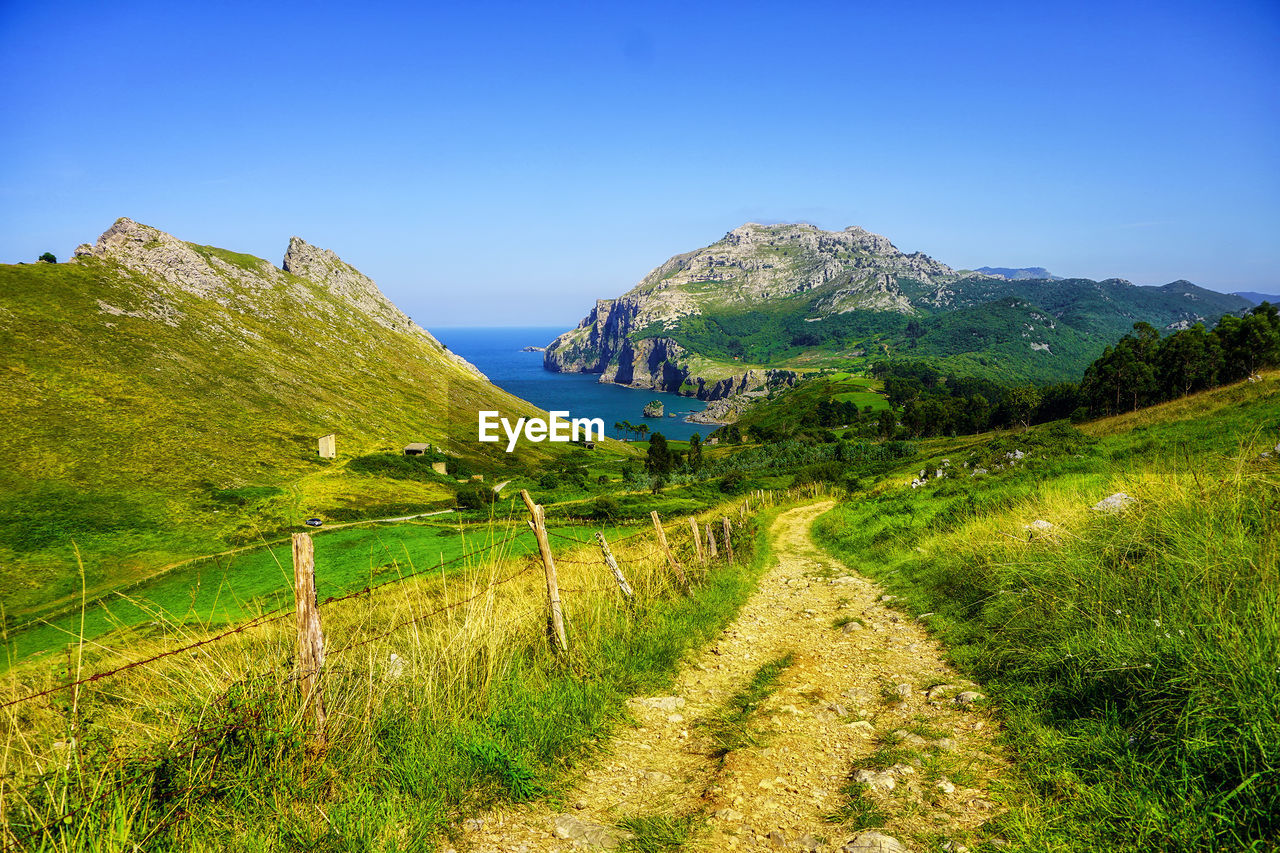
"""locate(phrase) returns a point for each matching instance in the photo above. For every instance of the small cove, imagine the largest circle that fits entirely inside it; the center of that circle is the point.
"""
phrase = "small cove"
(496, 351)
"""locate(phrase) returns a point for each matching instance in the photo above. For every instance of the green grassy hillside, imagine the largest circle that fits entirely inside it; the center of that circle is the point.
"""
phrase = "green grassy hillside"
(161, 400)
(1133, 654)
(1050, 332)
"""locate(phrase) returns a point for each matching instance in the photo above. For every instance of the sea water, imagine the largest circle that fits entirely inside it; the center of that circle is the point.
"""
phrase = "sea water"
(496, 351)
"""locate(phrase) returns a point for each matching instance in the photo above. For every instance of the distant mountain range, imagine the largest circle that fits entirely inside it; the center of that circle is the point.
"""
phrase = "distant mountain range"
(753, 309)
(1019, 273)
(1256, 298)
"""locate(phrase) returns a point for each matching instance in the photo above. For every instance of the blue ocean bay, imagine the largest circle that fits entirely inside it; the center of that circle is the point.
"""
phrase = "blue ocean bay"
(496, 351)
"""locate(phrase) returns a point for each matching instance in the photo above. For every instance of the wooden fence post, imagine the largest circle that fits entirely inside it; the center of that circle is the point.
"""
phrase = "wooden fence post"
(711, 543)
(613, 567)
(697, 540)
(728, 545)
(559, 642)
(310, 637)
(662, 541)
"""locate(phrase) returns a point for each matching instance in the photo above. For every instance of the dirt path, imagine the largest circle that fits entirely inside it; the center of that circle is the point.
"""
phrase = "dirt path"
(874, 702)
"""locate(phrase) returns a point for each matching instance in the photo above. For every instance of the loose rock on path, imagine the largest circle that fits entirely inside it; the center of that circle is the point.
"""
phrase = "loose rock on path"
(874, 703)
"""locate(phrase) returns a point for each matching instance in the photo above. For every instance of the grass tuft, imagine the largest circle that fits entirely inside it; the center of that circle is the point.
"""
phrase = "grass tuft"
(730, 726)
(658, 833)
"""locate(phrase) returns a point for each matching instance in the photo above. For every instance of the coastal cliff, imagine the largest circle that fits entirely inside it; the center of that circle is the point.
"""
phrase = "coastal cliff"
(752, 266)
(753, 309)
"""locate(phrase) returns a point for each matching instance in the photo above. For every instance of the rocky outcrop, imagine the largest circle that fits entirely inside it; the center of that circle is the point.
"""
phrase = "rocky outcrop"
(748, 382)
(233, 280)
(751, 267)
(657, 364)
(199, 270)
(654, 409)
(345, 281)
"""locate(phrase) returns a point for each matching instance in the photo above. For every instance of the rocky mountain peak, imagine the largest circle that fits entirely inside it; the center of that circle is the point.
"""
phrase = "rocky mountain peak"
(123, 233)
(308, 261)
(323, 266)
(183, 266)
(168, 265)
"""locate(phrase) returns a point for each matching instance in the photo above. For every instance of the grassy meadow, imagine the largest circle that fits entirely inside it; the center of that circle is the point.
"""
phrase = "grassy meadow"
(146, 425)
(1134, 656)
(228, 588)
(433, 712)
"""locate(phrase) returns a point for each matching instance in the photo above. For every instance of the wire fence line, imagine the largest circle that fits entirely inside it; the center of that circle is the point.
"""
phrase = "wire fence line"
(274, 615)
(189, 744)
(281, 613)
(271, 616)
(264, 619)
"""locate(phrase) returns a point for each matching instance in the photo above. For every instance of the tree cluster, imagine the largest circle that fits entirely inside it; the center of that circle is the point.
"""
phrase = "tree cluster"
(1143, 369)
(930, 404)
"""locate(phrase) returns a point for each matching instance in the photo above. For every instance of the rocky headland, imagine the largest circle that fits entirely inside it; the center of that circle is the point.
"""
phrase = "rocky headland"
(656, 335)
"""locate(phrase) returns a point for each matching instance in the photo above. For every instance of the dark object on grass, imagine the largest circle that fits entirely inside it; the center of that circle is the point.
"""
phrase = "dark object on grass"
(314, 522)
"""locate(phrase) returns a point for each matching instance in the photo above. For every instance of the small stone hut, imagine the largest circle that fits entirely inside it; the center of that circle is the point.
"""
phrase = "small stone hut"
(328, 446)
(417, 448)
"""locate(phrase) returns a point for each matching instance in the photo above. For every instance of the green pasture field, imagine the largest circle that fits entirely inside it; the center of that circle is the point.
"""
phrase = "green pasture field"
(226, 589)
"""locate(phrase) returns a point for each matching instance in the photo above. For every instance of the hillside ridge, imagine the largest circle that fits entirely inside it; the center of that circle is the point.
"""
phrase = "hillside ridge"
(211, 273)
(853, 295)
(163, 400)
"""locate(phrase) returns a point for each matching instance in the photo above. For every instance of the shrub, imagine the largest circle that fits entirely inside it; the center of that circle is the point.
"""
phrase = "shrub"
(476, 497)
(820, 472)
(400, 467)
(733, 483)
(605, 508)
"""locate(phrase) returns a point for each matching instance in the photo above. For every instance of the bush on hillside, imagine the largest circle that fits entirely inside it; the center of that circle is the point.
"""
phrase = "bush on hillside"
(606, 508)
(397, 466)
(733, 483)
(476, 496)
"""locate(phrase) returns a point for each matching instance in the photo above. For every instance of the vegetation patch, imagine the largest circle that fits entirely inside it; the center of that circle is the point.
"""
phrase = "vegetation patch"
(731, 726)
(658, 833)
(1133, 653)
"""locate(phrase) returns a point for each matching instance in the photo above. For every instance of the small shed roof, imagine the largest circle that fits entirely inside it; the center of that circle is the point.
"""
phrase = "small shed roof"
(419, 446)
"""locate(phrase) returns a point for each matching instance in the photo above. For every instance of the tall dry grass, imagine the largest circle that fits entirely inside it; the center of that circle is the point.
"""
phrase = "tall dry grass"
(441, 695)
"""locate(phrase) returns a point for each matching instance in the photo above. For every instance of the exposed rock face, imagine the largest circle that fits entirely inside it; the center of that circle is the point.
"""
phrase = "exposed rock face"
(226, 277)
(654, 409)
(198, 270)
(325, 267)
(750, 267)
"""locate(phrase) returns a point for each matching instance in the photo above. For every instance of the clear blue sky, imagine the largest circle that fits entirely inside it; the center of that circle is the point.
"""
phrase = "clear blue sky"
(509, 163)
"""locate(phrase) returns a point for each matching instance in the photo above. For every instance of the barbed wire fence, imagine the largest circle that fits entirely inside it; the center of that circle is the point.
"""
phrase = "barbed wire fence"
(688, 561)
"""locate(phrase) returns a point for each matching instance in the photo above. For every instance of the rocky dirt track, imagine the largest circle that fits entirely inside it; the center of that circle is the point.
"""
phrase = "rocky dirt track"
(869, 702)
